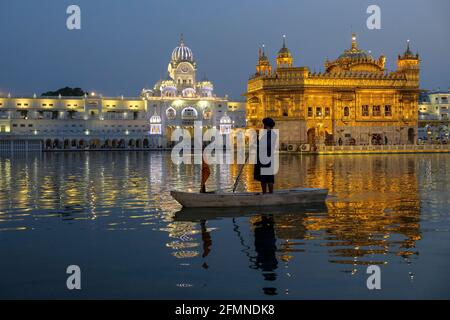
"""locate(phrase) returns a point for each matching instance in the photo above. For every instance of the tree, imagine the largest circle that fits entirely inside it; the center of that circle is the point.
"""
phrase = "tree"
(65, 92)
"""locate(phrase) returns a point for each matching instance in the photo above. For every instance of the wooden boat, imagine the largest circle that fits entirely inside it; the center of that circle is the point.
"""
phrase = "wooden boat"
(249, 199)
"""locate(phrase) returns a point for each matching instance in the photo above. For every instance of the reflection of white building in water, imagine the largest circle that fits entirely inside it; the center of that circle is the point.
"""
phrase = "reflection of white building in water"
(98, 122)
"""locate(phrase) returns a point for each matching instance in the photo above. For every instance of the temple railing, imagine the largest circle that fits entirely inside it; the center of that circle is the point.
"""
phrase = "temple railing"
(384, 148)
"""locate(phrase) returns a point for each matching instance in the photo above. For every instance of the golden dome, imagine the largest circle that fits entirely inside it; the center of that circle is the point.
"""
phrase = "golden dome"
(284, 52)
(354, 52)
(355, 59)
(284, 57)
(262, 55)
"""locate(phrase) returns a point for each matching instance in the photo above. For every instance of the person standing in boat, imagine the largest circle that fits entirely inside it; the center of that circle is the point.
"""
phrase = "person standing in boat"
(205, 174)
(264, 168)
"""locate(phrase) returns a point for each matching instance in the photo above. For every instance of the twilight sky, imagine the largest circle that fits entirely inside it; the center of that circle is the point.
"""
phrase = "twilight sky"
(125, 45)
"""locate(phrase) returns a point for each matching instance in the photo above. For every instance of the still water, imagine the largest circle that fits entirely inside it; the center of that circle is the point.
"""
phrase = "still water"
(112, 215)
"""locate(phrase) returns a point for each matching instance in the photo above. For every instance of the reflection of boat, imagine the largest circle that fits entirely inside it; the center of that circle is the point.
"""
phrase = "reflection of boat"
(200, 214)
(249, 199)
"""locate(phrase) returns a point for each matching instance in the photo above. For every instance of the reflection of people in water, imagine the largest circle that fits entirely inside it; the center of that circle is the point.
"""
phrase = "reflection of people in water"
(207, 241)
(265, 248)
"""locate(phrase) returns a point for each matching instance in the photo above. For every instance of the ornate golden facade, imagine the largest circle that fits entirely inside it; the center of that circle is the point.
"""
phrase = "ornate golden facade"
(354, 101)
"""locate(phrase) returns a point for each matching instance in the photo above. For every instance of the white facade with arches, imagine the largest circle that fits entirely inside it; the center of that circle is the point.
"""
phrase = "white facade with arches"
(93, 121)
(180, 99)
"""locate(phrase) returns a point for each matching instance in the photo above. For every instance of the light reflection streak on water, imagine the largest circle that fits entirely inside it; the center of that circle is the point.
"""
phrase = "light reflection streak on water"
(374, 216)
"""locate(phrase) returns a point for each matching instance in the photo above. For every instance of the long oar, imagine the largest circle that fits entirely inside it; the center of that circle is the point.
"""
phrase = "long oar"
(240, 173)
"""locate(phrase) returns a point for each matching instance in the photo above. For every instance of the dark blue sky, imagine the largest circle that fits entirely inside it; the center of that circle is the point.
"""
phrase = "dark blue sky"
(125, 45)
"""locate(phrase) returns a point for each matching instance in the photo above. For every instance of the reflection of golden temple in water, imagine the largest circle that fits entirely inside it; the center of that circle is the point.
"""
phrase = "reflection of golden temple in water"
(374, 209)
(373, 213)
(372, 199)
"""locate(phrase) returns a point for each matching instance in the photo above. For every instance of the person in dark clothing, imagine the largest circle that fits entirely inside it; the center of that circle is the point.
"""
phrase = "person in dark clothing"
(267, 180)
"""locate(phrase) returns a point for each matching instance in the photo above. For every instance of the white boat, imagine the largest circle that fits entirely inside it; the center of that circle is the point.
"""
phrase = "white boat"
(249, 199)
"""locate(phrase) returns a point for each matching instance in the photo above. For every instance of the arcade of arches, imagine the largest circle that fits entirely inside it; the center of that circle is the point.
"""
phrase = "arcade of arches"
(98, 144)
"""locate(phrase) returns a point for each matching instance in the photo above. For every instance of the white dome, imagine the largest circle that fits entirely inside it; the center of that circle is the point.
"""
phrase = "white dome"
(168, 88)
(155, 118)
(182, 53)
(147, 93)
(188, 92)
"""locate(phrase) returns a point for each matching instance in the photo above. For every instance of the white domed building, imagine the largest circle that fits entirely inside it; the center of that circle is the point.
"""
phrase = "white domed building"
(180, 100)
(95, 121)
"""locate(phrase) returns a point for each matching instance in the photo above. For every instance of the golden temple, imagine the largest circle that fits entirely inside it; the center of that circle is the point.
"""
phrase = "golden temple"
(355, 101)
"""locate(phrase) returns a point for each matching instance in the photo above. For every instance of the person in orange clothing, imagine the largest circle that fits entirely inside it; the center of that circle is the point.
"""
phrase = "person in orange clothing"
(205, 174)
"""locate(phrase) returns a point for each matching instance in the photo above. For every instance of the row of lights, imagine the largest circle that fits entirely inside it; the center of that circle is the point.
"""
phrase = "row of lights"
(86, 132)
(92, 94)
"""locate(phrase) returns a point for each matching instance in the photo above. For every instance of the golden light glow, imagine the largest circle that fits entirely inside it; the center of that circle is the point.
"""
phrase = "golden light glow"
(354, 101)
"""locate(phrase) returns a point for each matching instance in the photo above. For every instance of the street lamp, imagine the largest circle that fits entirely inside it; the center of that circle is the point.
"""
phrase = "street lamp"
(429, 132)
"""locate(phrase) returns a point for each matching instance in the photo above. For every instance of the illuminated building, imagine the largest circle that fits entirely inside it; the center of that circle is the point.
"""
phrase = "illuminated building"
(354, 101)
(434, 116)
(97, 122)
(180, 99)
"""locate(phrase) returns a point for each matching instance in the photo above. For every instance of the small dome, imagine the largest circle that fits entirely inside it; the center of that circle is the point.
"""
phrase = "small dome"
(168, 87)
(157, 86)
(182, 52)
(168, 83)
(147, 93)
(206, 85)
(189, 92)
(155, 118)
(206, 90)
(284, 52)
(262, 56)
(354, 53)
(356, 60)
(408, 53)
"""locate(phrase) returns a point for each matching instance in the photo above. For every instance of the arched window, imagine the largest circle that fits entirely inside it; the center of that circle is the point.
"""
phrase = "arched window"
(171, 113)
(346, 111)
(207, 114)
(225, 124)
(189, 113)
